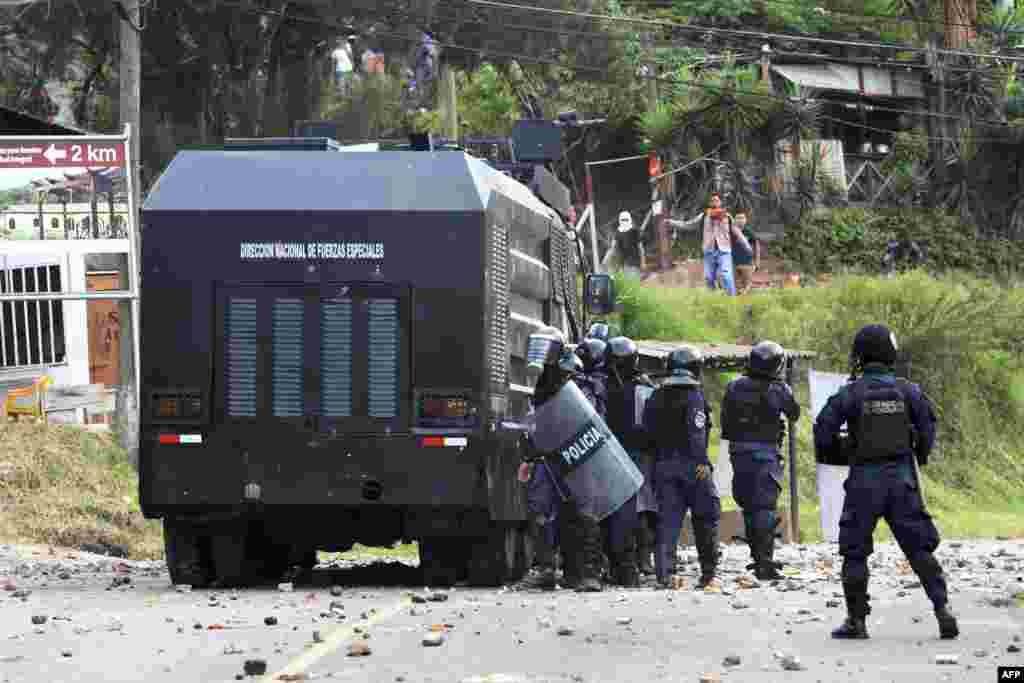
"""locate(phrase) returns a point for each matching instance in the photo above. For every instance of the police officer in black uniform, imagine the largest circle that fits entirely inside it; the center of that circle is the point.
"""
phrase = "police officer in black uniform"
(599, 330)
(890, 422)
(679, 418)
(549, 502)
(625, 419)
(590, 380)
(752, 411)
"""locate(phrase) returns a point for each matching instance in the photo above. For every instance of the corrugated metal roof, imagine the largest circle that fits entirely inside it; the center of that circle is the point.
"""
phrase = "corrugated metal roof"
(328, 181)
(878, 82)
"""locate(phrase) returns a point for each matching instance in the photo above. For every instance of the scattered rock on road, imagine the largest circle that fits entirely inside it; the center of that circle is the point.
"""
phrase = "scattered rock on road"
(433, 639)
(255, 667)
(792, 663)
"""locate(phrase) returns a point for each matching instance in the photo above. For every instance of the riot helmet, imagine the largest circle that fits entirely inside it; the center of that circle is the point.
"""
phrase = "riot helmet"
(569, 362)
(543, 348)
(591, 352)
(767, 359)
(684, 366)
(600, 331)
(622, 356)
(873, 344)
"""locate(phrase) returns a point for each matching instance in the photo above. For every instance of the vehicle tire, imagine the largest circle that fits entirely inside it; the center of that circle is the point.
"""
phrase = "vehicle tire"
(229, 544)
(184, 554)
(500, 558)
(442, 560)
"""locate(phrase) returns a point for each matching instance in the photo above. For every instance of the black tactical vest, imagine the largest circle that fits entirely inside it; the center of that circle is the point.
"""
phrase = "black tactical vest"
(621, 408)
(883, 430)
(672, 415)
(749, 413)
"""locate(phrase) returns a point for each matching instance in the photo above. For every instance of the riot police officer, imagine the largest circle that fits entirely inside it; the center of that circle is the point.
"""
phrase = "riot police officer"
(752, 412)
(555, 366)
(890, 422)
(590, 354)
(628, 387)
(599, 330)
(679, 418)
(593, 381)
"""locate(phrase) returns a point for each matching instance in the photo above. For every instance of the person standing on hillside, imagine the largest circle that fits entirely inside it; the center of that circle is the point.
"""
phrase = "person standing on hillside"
(746, 254)
(718, 233)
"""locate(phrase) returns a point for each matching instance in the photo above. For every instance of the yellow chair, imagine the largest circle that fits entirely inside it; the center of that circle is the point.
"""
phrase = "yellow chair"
(28, 401)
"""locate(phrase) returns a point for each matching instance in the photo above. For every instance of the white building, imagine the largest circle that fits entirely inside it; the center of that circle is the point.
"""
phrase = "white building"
(76, 343)
(63, 220)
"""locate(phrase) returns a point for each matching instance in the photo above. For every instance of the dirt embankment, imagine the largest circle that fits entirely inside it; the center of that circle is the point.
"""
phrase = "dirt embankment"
(70, 488)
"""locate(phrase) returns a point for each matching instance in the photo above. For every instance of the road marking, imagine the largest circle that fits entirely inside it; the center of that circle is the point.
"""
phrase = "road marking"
(333, 639)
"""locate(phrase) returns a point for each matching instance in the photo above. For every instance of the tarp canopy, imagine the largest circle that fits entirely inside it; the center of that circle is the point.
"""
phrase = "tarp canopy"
(729, 357)
(217, 180)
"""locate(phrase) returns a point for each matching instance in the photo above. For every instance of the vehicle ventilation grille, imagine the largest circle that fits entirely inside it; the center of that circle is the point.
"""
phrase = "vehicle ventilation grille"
(383, 367)
(288, 358)
(242, 353)
(336, 358)
(497, 346)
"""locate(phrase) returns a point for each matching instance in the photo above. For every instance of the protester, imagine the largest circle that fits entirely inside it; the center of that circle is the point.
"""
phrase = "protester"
(718, 230)
(746, 255)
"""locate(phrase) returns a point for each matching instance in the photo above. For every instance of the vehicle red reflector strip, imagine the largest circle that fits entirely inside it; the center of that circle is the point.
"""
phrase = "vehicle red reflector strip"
(180, 438)
(442, 441)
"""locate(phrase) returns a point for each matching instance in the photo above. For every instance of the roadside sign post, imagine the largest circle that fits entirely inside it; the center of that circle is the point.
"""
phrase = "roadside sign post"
(85, 152)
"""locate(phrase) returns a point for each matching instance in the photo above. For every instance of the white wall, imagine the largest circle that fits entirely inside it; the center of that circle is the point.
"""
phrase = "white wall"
(70, 255)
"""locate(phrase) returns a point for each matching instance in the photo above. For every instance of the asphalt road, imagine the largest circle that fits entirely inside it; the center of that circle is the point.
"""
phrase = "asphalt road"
(111, 620)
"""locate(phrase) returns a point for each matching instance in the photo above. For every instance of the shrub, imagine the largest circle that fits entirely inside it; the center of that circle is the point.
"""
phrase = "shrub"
(853, 239)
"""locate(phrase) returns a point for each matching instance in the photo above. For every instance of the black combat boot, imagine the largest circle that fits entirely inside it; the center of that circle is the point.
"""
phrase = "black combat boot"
(705, 537)
(589, 556)
(543, 576)
(854, 627)
(571, 547)
(766, 569)
(948, 629)
(645, 544)
(624, 570)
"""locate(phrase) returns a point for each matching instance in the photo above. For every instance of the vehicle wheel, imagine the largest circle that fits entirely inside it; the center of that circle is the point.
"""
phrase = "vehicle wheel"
(228, 554)
(183, 550)
(442, 560)
(502, 557)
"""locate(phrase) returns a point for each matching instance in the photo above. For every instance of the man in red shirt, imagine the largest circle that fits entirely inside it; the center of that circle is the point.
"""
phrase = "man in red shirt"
(718, 233)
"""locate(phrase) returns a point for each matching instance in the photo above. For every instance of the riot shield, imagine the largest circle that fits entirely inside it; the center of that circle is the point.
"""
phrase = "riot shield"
(582, 450)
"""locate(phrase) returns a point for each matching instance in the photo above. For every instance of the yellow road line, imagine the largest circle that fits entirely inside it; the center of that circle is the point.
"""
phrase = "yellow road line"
(333, 639)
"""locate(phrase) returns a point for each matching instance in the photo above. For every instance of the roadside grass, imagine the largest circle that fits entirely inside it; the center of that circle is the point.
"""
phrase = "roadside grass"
(962, 334)
(66, 487)
(358, 552)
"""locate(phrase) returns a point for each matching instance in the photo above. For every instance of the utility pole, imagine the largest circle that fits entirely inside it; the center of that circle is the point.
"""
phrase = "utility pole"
(659, 190)
(453, 102)
(131, 75)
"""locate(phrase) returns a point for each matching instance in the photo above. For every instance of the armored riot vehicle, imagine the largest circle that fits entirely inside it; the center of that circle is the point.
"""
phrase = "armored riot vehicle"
(333, 353)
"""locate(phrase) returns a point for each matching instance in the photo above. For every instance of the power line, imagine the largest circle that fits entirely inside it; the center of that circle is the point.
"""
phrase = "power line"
(722, 31)
(619, 37)
(873, 107)
(801, 5)
(661, 79)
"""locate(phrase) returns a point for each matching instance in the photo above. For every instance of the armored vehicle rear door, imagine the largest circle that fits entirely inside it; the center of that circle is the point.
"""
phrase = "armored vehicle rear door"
(308, 359)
